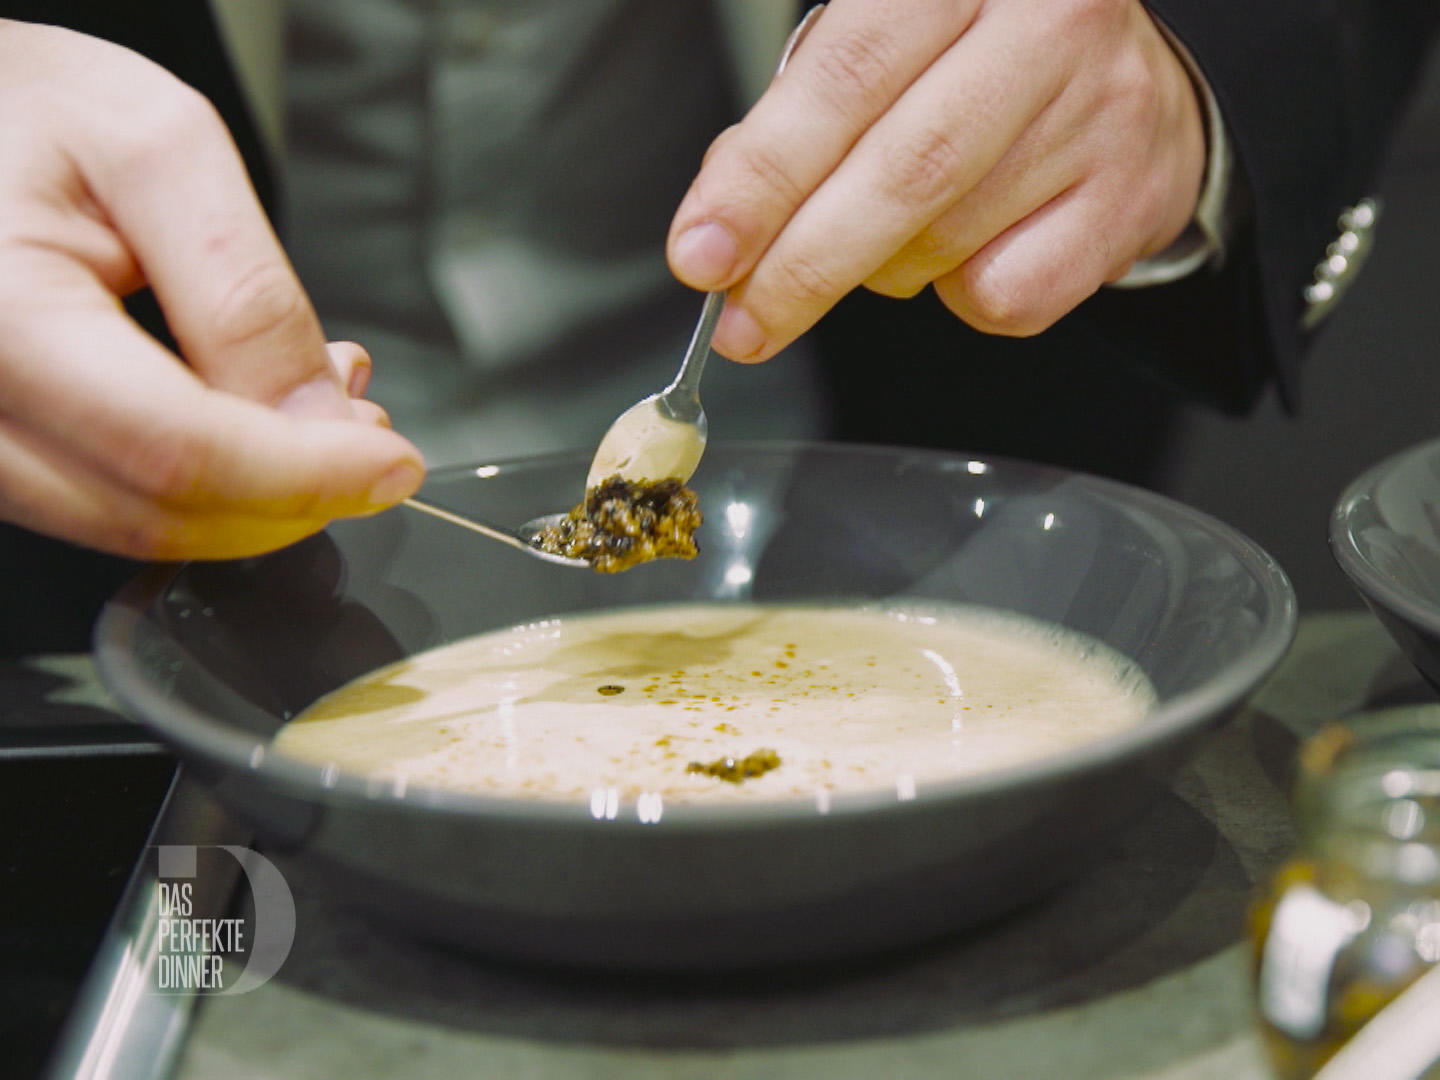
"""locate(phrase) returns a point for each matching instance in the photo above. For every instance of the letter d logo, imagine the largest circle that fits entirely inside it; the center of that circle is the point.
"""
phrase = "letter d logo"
(273, 932)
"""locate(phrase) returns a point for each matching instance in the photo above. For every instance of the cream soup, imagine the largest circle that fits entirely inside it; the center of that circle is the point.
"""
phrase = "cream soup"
(620, 704)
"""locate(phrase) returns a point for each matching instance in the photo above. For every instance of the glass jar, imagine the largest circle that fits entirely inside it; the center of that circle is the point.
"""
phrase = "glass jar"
(1353, 919)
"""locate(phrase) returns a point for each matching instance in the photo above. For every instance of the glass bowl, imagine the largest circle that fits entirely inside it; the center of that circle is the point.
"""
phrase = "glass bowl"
(215, 656)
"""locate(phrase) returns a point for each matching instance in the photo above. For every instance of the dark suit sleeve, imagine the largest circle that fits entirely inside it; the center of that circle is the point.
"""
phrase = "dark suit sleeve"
(1310, 91)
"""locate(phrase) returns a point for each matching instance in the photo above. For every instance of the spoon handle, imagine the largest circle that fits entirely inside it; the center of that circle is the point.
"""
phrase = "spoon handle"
(520, 539)
(687, 379)
(468, 523)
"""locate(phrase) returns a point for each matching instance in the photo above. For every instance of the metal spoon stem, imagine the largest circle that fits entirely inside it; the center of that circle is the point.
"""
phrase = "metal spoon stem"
(692, 367)
(520, 538)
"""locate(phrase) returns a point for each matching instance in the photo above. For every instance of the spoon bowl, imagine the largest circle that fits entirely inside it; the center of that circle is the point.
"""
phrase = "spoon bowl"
(663, 435)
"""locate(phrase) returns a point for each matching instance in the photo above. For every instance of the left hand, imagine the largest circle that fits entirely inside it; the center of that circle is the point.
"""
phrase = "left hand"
(1015, 153)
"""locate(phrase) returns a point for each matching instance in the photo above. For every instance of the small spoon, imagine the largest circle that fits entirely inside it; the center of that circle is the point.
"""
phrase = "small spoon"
(658, 437)
(522, 538)
(663, 435)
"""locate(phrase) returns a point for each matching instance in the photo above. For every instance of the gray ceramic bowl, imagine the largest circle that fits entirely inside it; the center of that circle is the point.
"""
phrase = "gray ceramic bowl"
(1385, 534)
(214, 657)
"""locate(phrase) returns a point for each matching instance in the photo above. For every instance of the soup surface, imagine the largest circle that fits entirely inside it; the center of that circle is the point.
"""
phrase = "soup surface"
(620, 704)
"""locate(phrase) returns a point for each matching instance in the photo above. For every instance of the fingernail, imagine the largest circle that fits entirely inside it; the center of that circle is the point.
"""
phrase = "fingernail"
(359, 378)
(398, 483)
(738, 335)
(704, 255)
(319, 398)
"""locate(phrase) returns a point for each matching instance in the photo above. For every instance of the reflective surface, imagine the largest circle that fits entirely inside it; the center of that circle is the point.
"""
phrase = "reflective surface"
(1347, 934)
(217, 656)
(1385, 534)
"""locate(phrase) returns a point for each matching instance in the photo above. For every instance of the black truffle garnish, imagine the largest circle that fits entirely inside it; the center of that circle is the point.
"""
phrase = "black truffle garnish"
(621, 523)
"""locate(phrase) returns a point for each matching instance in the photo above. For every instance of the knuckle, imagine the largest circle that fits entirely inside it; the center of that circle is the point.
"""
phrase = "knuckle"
(1088, 15)
(1003, 306)
(163, 124)
(262, 301)
(1131, 87)
(720, 143)
(863, 57)
(771, 171)
(165, 466)
(922, 169)
(802, 280)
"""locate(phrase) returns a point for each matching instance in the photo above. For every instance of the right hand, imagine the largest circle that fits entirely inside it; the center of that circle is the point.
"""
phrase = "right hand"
(114, 175)
(1013, 154)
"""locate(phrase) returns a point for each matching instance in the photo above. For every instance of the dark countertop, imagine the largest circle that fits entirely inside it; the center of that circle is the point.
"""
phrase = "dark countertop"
(1137, 969)
(79, 789)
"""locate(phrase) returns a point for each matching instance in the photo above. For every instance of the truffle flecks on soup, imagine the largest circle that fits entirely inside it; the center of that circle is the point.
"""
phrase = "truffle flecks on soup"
(658, 700)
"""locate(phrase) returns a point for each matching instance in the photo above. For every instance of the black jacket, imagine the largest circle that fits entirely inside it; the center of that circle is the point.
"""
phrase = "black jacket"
(1310, 90)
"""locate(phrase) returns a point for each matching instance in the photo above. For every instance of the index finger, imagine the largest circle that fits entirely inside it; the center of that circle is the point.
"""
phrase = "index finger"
(940, 139)
(857, 59)
(172, 181)
(84, 376)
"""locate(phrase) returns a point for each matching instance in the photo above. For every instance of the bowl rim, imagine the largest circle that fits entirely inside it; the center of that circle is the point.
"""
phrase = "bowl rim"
(1375, 586)
(193, 733)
